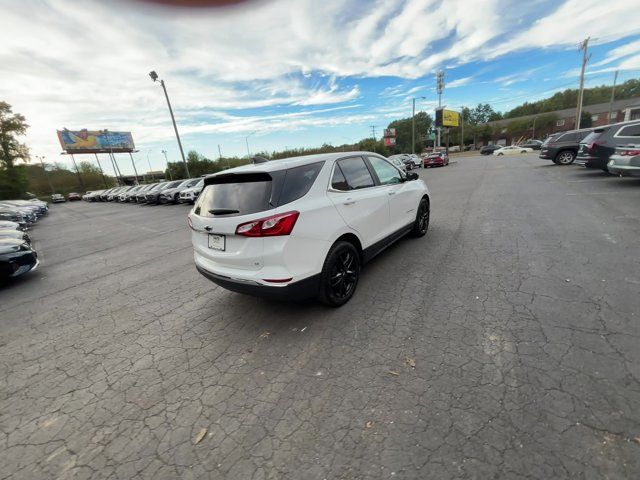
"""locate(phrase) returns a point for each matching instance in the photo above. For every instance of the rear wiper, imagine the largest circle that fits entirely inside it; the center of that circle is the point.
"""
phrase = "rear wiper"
(223, 211)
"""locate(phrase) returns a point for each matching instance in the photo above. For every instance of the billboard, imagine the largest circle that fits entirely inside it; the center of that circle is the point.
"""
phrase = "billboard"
(95, 141)
(389, 132)
(389, 141)
(447, 118)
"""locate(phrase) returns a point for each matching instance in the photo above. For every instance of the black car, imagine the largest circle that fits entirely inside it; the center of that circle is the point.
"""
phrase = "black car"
(533, 144)
(561, 148)
(489, 149)
(16, 258)
(596, 149)
(152, 196)
(12, 215)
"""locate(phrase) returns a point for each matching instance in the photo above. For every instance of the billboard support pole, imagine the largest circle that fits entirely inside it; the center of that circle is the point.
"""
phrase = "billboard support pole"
(101, 171)
(78, 172)
(175, 127)
(113, 165)
(134, 167)
(121, 180)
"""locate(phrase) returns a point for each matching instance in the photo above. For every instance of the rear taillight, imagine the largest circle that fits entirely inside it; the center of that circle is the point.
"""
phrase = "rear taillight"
(630, 153)
(272, 226)
(592, 146)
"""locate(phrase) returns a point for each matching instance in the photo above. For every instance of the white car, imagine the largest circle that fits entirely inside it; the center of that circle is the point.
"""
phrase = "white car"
(513, 150)
(190, 195)
(302, 227)
(395, 160)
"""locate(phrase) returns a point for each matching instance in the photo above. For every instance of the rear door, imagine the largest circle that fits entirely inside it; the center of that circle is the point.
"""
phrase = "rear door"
(361, 204)
(402, 203)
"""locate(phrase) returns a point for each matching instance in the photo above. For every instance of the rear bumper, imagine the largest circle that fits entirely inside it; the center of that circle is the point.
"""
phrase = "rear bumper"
(302, 289)
(624, 170)
(590, 162)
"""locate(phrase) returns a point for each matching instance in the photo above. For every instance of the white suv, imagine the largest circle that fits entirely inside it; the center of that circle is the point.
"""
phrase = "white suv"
(302, 227)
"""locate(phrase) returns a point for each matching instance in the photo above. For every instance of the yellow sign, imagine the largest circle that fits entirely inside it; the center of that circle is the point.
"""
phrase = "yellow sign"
(450, 118)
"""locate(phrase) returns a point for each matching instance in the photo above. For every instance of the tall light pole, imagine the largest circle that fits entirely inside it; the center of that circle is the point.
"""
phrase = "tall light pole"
(613, 94)
(533, 132)
(583, 46)
(440, 87)
(164, 152)
(154, 77)
(46, 174)
(246, 139)
(413, 125)
(149, 163)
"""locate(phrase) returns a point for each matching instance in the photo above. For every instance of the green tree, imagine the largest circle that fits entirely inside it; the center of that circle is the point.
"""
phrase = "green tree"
(13, 181)
(403, 128)
(585, 120)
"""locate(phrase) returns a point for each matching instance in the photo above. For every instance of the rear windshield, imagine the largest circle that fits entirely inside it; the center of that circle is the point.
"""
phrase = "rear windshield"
(235, 195)
(243, 194)
(593, 136)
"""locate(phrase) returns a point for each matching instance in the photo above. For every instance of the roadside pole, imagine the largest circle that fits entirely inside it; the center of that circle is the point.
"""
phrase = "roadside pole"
(101, 172)
(78, 172)
(134, 167)
(583, 46)
(46, 174)
(440, 87)
(413, 127)
(613, 94)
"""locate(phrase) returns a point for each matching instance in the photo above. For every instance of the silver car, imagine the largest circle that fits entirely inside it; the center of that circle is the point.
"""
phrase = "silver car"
(626, 161)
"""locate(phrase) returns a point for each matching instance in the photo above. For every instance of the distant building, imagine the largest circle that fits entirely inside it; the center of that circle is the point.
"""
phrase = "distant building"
(621, 111)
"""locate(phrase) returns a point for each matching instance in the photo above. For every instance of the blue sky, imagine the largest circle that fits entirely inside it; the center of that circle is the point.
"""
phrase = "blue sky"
(291, 73)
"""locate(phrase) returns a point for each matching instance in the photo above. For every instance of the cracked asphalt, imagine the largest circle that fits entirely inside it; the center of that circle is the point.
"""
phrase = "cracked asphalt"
(504, 344)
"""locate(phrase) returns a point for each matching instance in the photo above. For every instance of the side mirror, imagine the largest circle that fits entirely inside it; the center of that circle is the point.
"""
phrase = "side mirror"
(412, 176)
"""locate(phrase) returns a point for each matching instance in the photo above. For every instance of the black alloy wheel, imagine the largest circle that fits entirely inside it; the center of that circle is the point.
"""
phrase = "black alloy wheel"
(340, 274)
(566, 157)
(421, 224)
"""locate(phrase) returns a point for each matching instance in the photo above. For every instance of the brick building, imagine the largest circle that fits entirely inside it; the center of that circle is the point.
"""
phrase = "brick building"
(622, 110)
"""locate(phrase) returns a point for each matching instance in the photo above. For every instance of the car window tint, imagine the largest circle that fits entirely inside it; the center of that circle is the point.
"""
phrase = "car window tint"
(387, 173)
(240, 195)
(298, 181)
(356, 173)
(593, 136)
(629, 131)
(338, 181)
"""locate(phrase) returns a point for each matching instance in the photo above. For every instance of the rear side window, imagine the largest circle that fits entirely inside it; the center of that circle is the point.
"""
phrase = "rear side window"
(338, 181)
(568, 137)
(593, 136)
(298, 181)
(235, 195)
(356, 173)
(582, 135)
(629, 131)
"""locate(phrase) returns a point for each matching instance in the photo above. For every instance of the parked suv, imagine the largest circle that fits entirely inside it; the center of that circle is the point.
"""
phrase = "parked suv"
(596, 149)
(562, 147)
(302, 227)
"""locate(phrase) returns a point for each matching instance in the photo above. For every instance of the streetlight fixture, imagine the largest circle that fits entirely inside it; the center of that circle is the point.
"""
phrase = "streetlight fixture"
(164, 152)
(413, 125)
(154, 77)
(246, 139)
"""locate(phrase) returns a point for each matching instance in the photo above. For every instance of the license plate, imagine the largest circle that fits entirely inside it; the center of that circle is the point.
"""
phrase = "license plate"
(217, 242)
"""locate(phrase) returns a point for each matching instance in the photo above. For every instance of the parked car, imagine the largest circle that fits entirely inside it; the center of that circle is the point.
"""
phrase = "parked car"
(114, 194)
(410, 160)
(25, 213)
(13, 233)
(92, 196)
(141, 196)
(8, 225)
(436, 159)
(73, 197)
(454, 148)
(397, 163)
(625, 161)
(171, 191)
(16, 258)
(302, 227)
(532, 144)
(190, 195)
(125, 196)
(57, 198)
(562, 148)
(10, 215)
(152, 196)
(602, 142)
(511, 150)
(489, 149)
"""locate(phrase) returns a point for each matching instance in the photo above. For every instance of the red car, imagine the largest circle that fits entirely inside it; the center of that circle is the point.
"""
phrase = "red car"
(74, 196)
(439, 159)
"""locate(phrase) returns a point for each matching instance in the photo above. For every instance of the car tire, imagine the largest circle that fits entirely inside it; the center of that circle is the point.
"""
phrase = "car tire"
(523, 151)
(340, 274)
(564, 157)
(421, 223)
(499, 154)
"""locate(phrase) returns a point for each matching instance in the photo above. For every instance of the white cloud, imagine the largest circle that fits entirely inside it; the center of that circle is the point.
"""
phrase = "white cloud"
(619, 52)
(72, 64)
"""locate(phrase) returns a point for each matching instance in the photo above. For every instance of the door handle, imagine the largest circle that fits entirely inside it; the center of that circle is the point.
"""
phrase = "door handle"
(207, 228)
(349, 202)
(391, 192)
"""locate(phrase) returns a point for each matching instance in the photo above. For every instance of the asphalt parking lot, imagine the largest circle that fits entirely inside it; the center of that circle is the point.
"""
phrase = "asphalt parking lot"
(504, 344)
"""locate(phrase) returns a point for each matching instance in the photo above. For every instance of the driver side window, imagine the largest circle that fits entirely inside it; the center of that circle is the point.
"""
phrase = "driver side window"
(387, 173)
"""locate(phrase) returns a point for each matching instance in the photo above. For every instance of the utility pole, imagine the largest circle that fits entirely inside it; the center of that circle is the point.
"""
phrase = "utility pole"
(533, 133)
(134, 167)
(77, 172)
(219, 153)
(583, 46)
(613, 94)
(373, 131)
(46, 174)
(154, 77)
(440, 87)
(150, 169)
(101, 171)
(164, 152)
